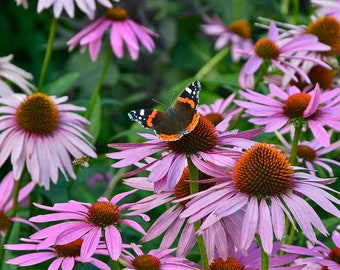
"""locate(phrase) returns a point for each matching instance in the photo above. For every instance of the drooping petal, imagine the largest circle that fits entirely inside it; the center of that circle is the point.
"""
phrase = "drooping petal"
(250, 224)
(113, 242)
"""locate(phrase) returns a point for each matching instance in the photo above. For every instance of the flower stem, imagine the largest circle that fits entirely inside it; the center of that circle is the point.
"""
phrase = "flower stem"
(218, 57)
(193, 176)
(296, 11)
(116, 265)
(264, 259)
(13, 214)
(262, 72)
(96, 92)
(47, 53)
(296, 138)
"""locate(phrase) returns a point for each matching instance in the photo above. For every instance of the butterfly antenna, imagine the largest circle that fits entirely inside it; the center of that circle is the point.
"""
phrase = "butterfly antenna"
(160, 103)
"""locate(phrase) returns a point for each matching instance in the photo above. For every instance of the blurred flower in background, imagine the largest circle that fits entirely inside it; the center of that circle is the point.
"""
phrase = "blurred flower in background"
(123, 31)
(237, 34)
(22, 3)
(327, 7)
(87, 6)
(13, 74)
(6, 202)
(217, 112)
(279, 53)
(311, 154)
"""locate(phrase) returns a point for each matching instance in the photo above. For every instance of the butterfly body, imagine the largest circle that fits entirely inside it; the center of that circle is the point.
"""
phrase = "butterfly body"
(176, 121)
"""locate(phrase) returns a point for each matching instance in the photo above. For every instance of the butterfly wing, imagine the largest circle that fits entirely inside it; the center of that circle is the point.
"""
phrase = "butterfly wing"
(159, 121)
(185, 108)
(175, 122)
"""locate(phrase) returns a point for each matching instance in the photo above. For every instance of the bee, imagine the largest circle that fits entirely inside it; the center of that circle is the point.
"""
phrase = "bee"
(82, 161)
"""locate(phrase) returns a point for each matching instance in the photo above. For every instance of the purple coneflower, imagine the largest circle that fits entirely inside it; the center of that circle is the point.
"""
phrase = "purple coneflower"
(41, 132)
(123, 30)
(319, 254)
(155, 259)
(221, 237)
(238, 34)
(205, 142)
(6, 202)
(328, 7)
(253, 260)
(14, 75)
(65, 256)
(89, 222)
(86, 6)
(310, 154)
(314, 109)
(268, 188)
(23, 3)
(217, 112)
(279, 53)
(327, 31)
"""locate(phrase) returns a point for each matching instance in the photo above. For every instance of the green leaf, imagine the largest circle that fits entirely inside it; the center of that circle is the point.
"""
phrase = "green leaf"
(61, 85)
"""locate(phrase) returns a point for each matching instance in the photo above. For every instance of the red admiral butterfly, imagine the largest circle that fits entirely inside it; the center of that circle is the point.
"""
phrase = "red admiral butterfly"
(175, 122)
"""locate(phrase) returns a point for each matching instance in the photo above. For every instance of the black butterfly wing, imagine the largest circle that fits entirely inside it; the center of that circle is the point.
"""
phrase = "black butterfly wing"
(185, 108)
(164, 126)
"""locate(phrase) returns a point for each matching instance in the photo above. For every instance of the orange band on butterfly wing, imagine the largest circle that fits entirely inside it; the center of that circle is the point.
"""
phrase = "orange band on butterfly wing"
(150, 118)
(166, 137)
(189, 101)
(193, 122)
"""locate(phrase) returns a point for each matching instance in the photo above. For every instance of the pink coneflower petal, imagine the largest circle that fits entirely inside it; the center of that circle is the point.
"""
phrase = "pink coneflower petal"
(253, 63)
(316, 115)
(87, 6)
(304, 42)
(35, 149)
(6, 187)
(116, 40)
(160, 170)
(95, 35)
(287, 71)
(29, 259)
(65, 256)
(187, 241)
(299, 207)
(319, 132)
(23, 193)
(87, 222)
(122, 30)
(72, 231)
(278, 219)
(273, 32)
(265, 226)
(143, 36)
(129, 37)
(314, 102)
(268, 210)
(24, 221)
(237, 35)
(90, 243)
(133, 224)
(250, 222)
(288, 55)
(14, 74)
(113, 242)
